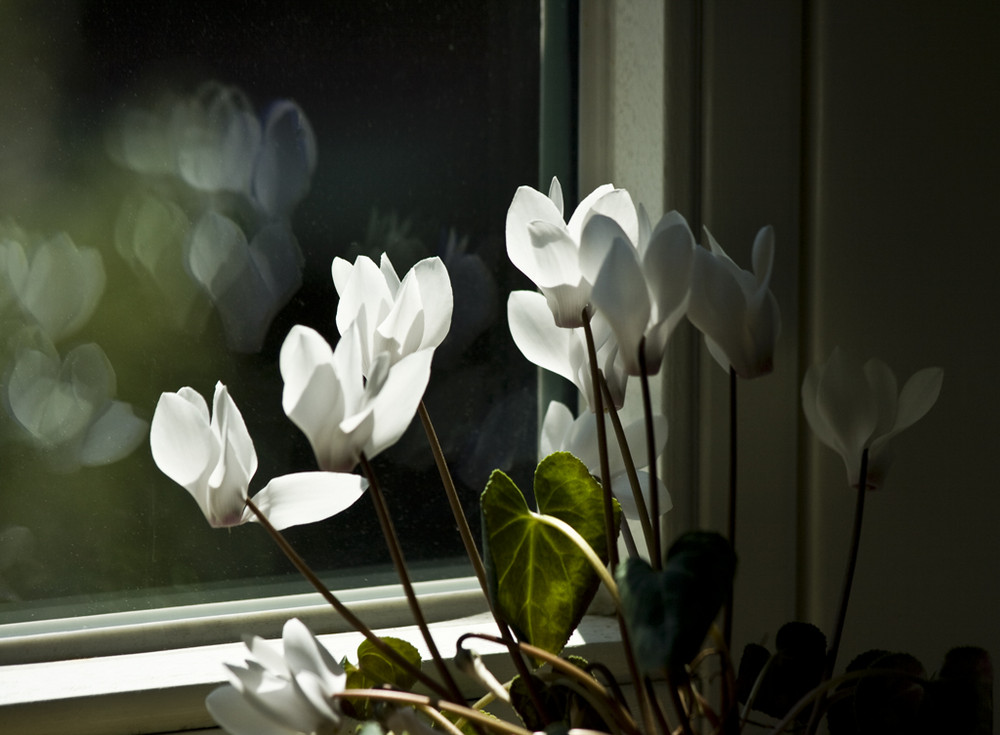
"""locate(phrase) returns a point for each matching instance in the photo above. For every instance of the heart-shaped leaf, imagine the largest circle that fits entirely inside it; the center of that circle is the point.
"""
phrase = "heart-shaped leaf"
(669, 612)
(375, 669)
(540, 580)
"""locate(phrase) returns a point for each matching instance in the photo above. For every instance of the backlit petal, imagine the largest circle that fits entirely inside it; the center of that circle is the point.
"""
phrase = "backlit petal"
(307, 497)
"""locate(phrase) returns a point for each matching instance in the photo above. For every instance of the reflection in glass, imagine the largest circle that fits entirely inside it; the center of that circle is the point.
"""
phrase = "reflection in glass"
(176, 183)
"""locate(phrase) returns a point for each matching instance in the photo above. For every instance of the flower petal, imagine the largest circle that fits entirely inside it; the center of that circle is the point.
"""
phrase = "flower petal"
(918, 396)
(844, 399)
(528, 205)
(536, 335)
(555, 256)
(313, 668)
(397, 401)
(238, 717)
(183, 444)
(555, 427)
(621, 295)
(307, 497)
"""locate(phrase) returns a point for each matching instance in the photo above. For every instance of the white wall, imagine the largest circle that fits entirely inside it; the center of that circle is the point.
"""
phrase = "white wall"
(903, 254)
(867, 134)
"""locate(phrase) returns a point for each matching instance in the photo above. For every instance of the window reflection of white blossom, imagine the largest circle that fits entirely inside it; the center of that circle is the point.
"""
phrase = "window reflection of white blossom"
(475, 292)
(52, 282)
(65, 408)
(226, 183)
(150, 234)
(248, 281)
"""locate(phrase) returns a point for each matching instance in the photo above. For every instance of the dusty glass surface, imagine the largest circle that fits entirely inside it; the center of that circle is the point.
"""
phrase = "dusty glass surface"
(175, 180)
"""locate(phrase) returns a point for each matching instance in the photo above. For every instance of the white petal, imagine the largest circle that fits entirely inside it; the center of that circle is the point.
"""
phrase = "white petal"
(536, 335)
(238, 717)
(239, 458)
(595, 241)
(618, 205)
(438, 301)
(313, 668)
(844, 399)
(527, 206)
(555, 427)
(918, 396)
(579, 217)
(556, 194)
(341, 271)
(307, 497)
(884, 392)
(366, 290)
(622, 490)
(275, 697)
(718, 306)
(183, 444)
(620, 294)
(555, 256)
(397, 401)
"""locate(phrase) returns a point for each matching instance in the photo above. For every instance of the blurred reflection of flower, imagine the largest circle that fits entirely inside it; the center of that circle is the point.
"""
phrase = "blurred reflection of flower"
(221, 184)
(49, 282)
(66, 408)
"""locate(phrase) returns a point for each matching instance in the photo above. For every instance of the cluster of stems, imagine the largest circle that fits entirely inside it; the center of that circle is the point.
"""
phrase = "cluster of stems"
(445, 695)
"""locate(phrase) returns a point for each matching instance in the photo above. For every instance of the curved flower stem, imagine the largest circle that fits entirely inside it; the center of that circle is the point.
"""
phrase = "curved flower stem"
(680, 708)
(656, 555)
(727, 618)
(353, 620)
(845, 594)
(419, 700)
(595, 561)
(633, 476)
(392, 541)
(453, 500)
(602, 447)
(730, 713)
(473, 553)
(602, 442)
(570, 670)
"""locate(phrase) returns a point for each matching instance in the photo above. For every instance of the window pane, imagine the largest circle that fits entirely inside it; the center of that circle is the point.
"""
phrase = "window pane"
(175, 180)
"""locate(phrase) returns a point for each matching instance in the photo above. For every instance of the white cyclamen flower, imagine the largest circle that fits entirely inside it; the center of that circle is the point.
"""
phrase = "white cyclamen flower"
(213, 458)
(551, 252)
(562, 433)
(734, 308)
(394, 317)
(342, 412)
(564, 351)
(282, 690)
(853, 407)
(660, 261)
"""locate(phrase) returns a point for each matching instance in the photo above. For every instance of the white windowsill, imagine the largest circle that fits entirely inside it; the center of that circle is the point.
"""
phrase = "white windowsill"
(164, 691)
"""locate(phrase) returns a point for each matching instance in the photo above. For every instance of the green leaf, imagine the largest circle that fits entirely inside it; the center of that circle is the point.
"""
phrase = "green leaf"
(563, 705)
(375, 669)
(669, 612)
(540, 580)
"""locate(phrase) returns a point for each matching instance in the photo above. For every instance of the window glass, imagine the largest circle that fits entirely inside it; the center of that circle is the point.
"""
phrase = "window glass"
(175, 180)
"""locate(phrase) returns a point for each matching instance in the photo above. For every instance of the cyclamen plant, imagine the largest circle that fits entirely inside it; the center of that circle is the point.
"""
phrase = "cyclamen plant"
(613, 288)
